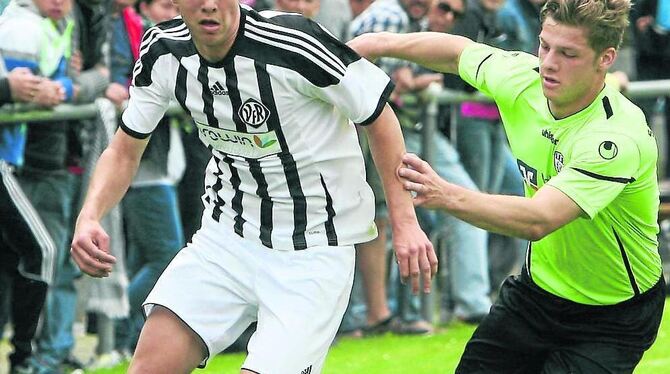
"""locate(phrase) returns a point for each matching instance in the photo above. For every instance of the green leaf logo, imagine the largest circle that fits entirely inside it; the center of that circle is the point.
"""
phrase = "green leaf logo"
(260, 143)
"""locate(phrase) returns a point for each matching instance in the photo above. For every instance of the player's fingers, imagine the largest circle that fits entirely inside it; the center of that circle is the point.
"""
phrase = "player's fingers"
(432, 259)
(414, 162)
(90, 265)
(414, 187)
(414, 272)
(403, 265)
(411, 175)
(426, 271)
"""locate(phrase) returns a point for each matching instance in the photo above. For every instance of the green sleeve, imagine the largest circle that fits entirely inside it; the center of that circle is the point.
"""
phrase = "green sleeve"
(499, 74)
(599, 167)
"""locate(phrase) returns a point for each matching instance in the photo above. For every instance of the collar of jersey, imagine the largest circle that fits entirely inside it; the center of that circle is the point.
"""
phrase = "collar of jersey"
(233, 48)
(582, 114)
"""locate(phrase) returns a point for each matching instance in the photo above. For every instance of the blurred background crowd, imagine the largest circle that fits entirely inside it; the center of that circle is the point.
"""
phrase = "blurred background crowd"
(83, 51)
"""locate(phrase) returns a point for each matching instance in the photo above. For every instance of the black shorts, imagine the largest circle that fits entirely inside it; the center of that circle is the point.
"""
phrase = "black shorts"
(532, 331)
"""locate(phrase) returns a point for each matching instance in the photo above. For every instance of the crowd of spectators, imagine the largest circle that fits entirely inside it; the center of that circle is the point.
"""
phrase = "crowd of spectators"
(78, 51)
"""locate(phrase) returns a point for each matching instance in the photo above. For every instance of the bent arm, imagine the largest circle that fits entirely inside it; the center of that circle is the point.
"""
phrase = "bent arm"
(528, 218)
(436, 51)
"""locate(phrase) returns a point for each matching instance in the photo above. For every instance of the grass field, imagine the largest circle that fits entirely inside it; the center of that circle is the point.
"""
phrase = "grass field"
(433, 354)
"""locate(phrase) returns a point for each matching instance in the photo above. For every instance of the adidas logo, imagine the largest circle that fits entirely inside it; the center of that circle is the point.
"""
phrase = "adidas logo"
(218, 89)
(307, 371)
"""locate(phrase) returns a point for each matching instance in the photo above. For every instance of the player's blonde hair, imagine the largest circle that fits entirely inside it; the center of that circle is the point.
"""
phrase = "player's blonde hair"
(605, 20)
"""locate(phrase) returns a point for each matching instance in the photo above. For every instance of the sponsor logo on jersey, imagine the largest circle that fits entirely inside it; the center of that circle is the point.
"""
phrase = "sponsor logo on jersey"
(253, 113)
(547, 134)
(558, 161)
(608, 150)
(238, 143)
(528, 173)
(308, 370)
(218, 90)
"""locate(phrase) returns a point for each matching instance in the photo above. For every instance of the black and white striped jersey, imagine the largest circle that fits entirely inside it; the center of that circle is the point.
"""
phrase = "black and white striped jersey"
(276, 112)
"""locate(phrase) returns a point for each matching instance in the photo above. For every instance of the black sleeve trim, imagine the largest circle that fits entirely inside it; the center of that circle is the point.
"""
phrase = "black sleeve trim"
(131, 132)
(5, 91)
(480, 65)
(380, 105)
(606, 178)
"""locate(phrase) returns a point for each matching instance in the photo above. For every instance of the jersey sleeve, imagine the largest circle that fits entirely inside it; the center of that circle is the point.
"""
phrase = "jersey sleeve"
(499, 74)
(360, 94)
(149, 98)
(601, 165)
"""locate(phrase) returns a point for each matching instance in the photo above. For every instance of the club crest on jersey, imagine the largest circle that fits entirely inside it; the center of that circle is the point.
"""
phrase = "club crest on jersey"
(253, 113)
(608, 150)
(558, 161)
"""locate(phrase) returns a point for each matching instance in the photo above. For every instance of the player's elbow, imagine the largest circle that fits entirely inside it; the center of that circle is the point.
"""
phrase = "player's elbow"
(539, 230)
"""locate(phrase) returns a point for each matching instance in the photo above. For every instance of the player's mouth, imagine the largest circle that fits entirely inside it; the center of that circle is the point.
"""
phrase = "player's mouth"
(549, 82)
(210, 26)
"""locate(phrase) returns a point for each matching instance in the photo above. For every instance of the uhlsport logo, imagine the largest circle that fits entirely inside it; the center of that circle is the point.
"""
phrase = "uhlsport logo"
(253, 113)
(558, 161)
(608, 150)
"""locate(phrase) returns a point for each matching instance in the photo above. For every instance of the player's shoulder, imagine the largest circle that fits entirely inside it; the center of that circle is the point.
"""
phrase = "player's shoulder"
(171, 36)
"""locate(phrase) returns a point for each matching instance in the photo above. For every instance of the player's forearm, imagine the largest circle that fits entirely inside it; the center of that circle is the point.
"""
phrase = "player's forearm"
(436, 51)
(509, 215)
(387, 147)
(113, 174)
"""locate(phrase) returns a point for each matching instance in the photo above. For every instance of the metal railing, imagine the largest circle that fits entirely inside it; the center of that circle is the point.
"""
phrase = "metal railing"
(434, 97)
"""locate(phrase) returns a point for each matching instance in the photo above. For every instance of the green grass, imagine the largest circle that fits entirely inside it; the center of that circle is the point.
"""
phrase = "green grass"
(439, 353)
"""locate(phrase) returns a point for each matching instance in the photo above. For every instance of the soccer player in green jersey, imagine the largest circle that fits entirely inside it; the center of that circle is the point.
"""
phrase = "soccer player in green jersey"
(590, 296)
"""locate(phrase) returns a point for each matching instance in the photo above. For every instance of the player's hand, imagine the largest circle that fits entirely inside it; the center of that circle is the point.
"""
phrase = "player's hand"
(416, 257)
(90, 249)
(420, 178)
(23, 84)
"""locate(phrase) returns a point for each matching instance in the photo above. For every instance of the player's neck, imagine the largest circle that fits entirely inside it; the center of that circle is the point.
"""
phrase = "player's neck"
(563, 110)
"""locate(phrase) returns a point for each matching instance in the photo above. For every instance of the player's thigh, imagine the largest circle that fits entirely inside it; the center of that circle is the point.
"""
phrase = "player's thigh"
(510, 339)
(167, 344)
(301, 304)
(592, 358)
(208, 285)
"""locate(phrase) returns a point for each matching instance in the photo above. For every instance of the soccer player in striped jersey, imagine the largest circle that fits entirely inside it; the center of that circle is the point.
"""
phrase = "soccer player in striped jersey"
(274, 96)
(590, 296)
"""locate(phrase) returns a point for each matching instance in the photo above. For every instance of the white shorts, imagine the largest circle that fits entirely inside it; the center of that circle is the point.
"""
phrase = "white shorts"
(221, 283)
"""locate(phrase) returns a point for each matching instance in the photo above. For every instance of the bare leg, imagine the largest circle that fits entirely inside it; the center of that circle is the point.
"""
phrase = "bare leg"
(166, 345)
(371, 257)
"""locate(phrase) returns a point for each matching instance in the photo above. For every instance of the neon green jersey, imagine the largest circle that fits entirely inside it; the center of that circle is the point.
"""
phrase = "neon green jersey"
(603, 158)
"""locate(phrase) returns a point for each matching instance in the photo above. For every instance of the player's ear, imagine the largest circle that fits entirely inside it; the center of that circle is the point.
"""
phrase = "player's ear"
(606, 58)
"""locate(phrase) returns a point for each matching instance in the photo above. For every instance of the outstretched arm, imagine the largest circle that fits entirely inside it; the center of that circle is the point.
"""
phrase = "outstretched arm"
(528, 218)
(436, 51)
(414, 252)
(113, 173)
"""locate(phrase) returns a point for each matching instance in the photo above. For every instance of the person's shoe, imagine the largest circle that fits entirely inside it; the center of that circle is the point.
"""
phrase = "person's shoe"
(419, 327)
(381, 327)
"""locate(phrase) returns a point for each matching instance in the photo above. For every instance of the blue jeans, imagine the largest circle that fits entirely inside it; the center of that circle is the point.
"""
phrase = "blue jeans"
(53, 194)
(506, 253)
(481, 144)
(466, 245)
(153, 237)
